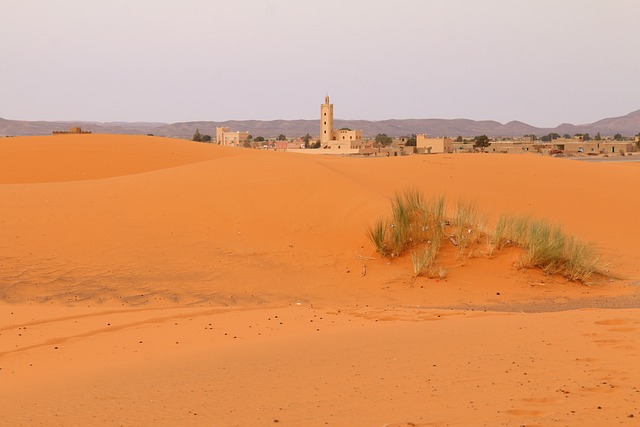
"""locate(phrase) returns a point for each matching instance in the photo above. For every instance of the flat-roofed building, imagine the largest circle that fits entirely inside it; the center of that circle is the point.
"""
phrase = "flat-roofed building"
(434, 145)
(341, 141)
(232, 139)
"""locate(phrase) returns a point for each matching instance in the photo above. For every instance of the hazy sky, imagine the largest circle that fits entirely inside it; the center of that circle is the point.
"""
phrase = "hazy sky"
(539, 61)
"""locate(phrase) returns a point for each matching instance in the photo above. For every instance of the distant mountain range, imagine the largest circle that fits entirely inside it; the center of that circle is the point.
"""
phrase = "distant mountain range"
(628, 125)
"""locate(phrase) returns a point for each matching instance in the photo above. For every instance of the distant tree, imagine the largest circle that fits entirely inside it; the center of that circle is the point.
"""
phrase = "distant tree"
(205, 138)
(345, 129)
(459, 139)
(197, 136)
(532, 136)
(250, 138)
(314, 145)
(247, 143)
(566, 136)
(383, 139)
(550, 137)
(281, 137)
(306, 140)
(411, 141)
(481, 141)
(617, 137)
(259, 139)
(638, 140)
(597, 137)
(586, 137)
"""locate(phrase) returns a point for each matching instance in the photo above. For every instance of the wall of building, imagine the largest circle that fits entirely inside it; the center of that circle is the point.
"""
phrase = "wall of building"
(436, 145)
(512, 147)
(232, 139)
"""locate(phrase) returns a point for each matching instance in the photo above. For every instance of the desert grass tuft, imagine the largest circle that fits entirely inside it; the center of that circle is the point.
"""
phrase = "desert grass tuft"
(422, 261)
(547, 247)
(468, 225)
(581, 260)
(410, 224)
(510, 230)
(378, 236)
(419, 225)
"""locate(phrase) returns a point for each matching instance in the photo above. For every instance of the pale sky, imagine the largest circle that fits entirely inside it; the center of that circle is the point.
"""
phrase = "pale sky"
(543, 62)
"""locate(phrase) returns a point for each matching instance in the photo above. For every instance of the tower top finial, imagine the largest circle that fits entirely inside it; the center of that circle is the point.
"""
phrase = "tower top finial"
(326, 99)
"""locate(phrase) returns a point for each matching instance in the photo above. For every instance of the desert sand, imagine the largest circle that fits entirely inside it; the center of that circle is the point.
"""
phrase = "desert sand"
(151, 281)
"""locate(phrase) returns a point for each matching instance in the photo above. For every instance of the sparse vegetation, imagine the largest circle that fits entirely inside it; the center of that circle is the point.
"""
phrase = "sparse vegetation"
(422, 261)
(468, 225)
(411, 140)
(413, 222)
(547, 247)
(422, 227)
(549, 137)
(378, 236)
(481, 142)
(383, 140)
(416, 224)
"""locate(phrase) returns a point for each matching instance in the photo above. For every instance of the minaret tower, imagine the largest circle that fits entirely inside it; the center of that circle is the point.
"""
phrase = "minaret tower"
(326, 121)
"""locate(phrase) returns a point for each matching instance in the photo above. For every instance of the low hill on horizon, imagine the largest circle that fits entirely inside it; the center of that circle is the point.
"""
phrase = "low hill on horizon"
(627, 125)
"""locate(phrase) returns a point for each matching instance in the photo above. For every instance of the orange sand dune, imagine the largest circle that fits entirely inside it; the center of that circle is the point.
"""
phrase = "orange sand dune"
(79, 157)
(124, 261)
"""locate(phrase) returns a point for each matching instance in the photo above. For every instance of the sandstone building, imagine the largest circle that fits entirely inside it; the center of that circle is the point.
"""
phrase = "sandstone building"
(232, 139)
(345, 141)
(73, 131)
(434, 145)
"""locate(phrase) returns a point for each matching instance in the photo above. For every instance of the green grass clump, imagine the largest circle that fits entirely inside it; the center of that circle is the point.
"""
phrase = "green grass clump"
(581, 260)
(547, 247)
(422, 261)
(421, 226)
(510, 230)
(468, 224)
(378, 236)
(413, 222)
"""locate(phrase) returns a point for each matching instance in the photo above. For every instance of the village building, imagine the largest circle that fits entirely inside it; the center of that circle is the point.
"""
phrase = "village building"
(296, 144)
(515, 147)
(71, 131)
(593, 147)
(341, 141)
(231, 139)
(434, 145)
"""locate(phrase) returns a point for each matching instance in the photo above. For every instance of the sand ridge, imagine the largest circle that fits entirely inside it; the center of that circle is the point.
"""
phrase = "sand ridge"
(134, 255)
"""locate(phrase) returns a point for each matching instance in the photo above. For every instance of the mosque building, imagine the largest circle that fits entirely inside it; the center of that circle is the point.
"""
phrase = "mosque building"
(343, 140)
